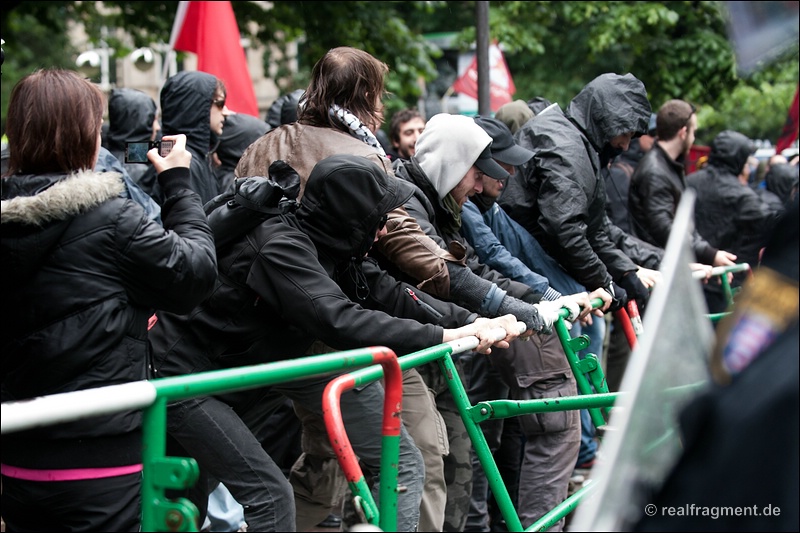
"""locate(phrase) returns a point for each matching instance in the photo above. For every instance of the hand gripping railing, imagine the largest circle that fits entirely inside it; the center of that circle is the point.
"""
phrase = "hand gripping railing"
(161, 473)
(722, 272)
(472, 416)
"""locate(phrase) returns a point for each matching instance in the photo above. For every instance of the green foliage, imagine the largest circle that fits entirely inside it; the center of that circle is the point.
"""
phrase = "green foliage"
(30, 44)
(376, 27)
(679, 49)
(758, 108)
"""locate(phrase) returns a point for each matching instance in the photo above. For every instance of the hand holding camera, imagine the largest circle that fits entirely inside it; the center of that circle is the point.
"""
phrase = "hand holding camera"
(136, 152)
(176, 156)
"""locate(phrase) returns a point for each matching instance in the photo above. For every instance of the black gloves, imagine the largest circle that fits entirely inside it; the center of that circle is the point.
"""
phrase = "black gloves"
(619, 297)
(635, 289)
(535, 318)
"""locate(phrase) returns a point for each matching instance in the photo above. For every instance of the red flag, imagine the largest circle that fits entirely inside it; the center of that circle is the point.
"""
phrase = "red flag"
(209, 30)
(789, 132)
(501, 86)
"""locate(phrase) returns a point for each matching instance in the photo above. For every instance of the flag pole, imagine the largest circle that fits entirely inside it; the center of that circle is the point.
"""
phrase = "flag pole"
(482, 51)
(180, 15)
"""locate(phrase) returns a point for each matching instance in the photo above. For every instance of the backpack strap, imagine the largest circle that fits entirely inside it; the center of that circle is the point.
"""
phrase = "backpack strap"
(247, 204)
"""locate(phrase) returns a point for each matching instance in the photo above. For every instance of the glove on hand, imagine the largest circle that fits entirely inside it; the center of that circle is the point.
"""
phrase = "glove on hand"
(550, 312)
(619, 297)
(572, 305)
(287, 177)
(635, 289)
(525, 312)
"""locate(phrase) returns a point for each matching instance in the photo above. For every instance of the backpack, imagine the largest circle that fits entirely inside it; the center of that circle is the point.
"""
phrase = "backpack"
(250, 201)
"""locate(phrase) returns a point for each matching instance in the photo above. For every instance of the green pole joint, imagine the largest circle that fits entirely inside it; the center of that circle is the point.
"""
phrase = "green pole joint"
(175, 472)
(179, 514)
(480, 412)
(578, 343)
(176, 515)
(588, 364)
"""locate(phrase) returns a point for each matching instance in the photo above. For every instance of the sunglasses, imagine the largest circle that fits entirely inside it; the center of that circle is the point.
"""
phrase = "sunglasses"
(219, 103)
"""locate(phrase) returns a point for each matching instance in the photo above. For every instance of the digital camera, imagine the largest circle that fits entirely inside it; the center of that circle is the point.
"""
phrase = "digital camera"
(137, 152)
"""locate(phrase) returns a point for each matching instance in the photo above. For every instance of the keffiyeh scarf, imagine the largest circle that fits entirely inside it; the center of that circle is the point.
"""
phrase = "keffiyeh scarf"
(356, 127)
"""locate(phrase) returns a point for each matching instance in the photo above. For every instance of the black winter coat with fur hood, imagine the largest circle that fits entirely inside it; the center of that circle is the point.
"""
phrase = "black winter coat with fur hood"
(85, 269)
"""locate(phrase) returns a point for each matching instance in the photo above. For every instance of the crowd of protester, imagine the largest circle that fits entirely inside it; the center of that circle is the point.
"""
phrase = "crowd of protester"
(455, 227)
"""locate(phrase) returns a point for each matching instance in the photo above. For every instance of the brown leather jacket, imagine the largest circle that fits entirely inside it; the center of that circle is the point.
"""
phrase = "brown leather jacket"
(303, 146)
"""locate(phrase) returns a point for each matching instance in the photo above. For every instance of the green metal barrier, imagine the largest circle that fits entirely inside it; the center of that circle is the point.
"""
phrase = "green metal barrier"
(599, 403)
(161, 472)
(730, 292)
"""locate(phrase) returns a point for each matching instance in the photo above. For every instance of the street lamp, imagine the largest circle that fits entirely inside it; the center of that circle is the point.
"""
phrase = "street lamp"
(143, 58)
(96, 61)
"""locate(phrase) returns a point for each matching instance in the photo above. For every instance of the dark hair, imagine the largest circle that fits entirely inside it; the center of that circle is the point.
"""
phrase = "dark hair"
(672, 116)
(220, 88)
(54, 120)
(350, 78)
(400, 118)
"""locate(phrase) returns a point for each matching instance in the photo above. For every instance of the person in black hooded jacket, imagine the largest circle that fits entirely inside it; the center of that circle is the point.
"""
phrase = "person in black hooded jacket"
(284, 109)
(240, 132)
(132, 117)
(84, 268)
(559, 195)
(780, 187)
(296, 279)
(193, 103)
(728, 213)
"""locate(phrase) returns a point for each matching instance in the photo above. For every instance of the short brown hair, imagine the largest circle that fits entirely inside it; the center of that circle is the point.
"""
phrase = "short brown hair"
(54, 119)
(400, 118)
(350, 78)
(672, 116)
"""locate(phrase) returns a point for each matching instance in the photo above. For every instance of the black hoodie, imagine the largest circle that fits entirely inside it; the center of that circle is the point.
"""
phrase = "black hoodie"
(728, 214)
(131, 114)
(186, 108)
(780, 183)
(298, 278)
(240, 131)
(559, 195)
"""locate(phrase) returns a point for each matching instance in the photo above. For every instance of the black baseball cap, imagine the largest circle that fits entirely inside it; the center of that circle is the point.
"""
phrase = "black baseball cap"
(503, 148)
(489, 166)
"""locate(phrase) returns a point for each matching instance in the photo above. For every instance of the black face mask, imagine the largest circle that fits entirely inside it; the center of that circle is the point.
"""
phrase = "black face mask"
(607, 154)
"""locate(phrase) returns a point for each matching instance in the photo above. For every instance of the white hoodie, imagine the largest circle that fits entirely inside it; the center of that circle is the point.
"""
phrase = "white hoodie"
(447, 148)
